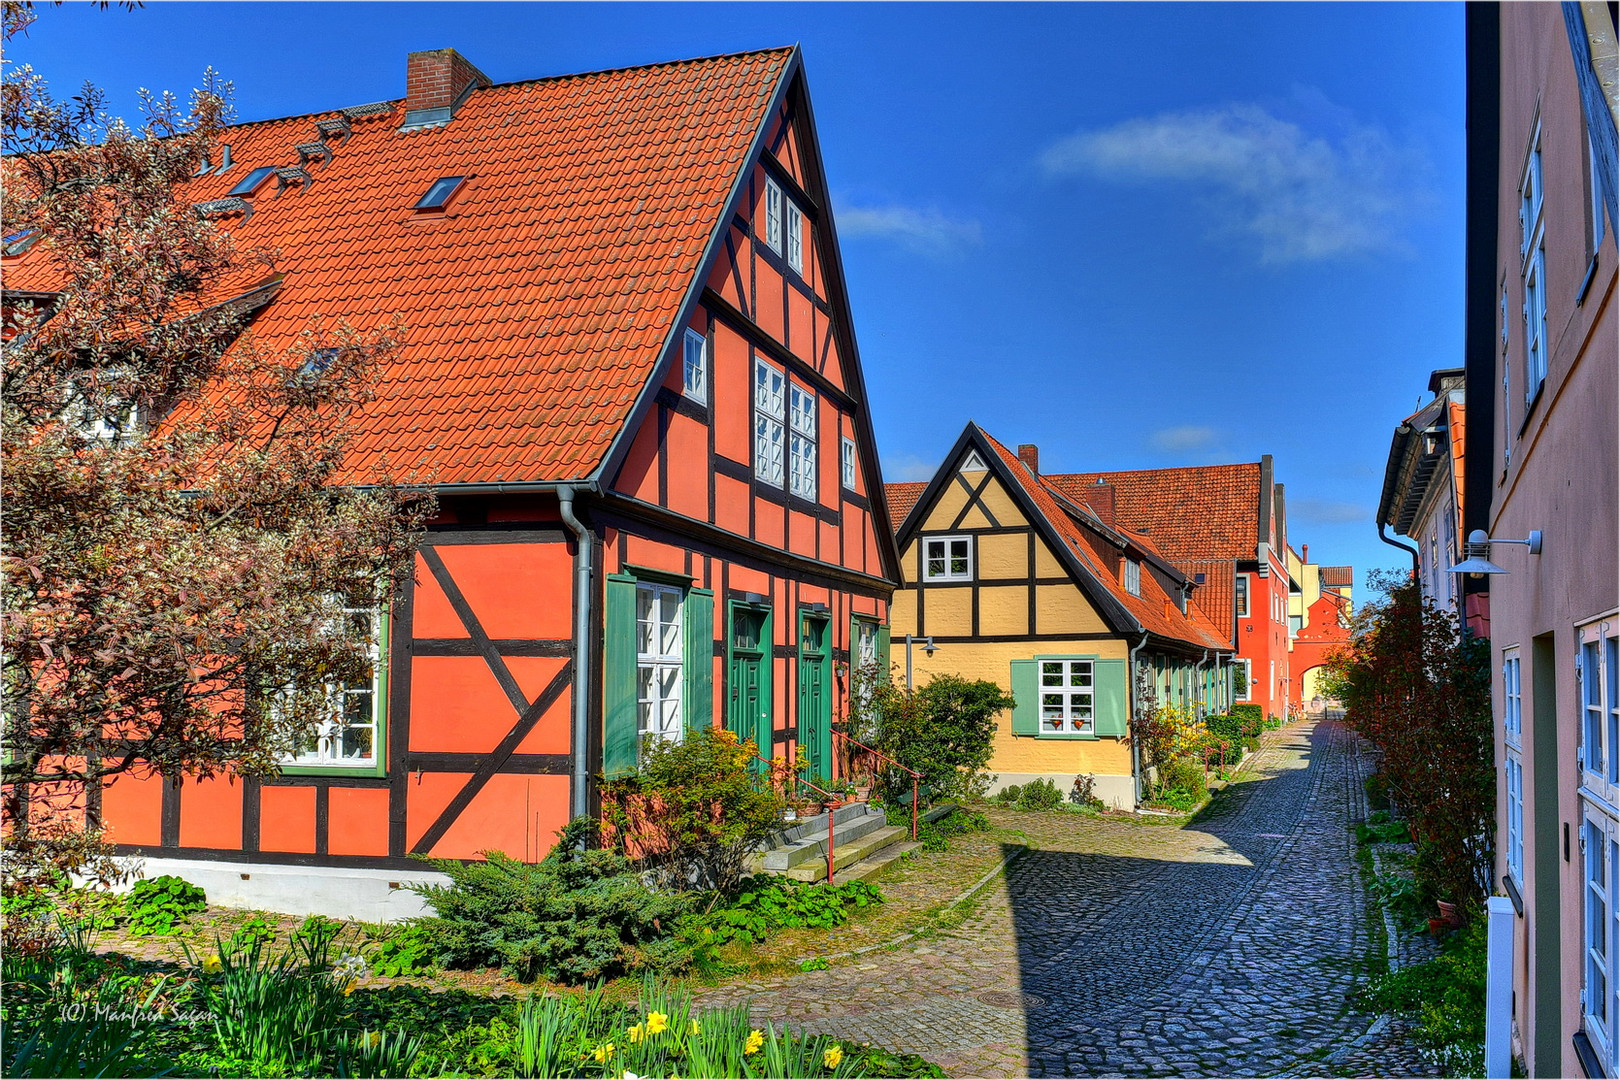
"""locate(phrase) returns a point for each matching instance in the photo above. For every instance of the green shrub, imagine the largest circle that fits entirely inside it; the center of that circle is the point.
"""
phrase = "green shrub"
(407, 949)
(1249, 711)
(936, 836)
(1008, 794)
(766, 905)
(159, 905)
(1040, 794)
(943, 730)
(1446, 997)
(1225, 726)
(578, 915)
(1380, 828)
(1184, 776)
(1084, 792)
(693, 811)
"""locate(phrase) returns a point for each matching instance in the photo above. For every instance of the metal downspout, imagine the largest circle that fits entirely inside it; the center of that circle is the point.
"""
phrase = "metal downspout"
(1417, 569)
(1136, 707)
(1198, 674)
(582, 649)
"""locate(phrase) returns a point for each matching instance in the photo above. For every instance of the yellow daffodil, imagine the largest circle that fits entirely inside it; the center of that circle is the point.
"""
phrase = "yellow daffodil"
(373, 1038)
(213, 963)
(832, 1056)
(656, 1022)
(756, 1039)
(696, 1028)
(635, 1034)
(603, 1052)
(349, 989)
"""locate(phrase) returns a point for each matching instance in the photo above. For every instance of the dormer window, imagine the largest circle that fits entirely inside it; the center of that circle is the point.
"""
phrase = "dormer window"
(439, 194)
(948, 558)
(1131, 574)
(252, 181)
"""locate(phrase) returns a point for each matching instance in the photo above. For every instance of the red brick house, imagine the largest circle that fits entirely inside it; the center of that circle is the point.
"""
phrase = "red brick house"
(629, 368)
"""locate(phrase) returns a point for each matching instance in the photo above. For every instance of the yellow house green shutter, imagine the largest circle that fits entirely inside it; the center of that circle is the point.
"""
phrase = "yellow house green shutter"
(1111, 708)
(1026, 714)
(697, 668)
(619, 677)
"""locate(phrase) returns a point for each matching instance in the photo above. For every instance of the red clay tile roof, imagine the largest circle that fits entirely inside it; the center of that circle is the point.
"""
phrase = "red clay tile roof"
(1214, 595)
(1153, 609)
(902, 497)
(1192, 512)
(534, 311)
(1456, 415)
(1338, 575)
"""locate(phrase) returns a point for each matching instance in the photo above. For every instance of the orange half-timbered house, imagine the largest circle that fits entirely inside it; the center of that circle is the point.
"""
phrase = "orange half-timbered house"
(628, 369)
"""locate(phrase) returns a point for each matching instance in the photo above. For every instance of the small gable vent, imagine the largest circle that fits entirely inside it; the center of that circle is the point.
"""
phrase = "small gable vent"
(222, 207)
(973, 462)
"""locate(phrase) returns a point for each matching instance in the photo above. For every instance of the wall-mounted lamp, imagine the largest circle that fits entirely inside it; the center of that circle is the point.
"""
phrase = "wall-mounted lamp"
(929, 649)
(1478, 552)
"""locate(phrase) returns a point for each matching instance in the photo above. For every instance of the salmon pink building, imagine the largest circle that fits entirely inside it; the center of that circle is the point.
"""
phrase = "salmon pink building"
(629, 371)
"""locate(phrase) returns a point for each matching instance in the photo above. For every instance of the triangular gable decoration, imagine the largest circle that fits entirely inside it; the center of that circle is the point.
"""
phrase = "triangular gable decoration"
(973, 462)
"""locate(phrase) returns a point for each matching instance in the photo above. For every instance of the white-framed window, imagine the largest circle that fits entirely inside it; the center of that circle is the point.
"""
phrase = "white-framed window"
(1507, 396)
(1242, 595)
(1600, 979)
(346, 733)
(1598, 669)
(658, 661)
(1533, 259)
(846, 463)
(770, 422)
(948, 558)
(1512, 701)
(795, 237)
(802, 442)
(1066, 697)
(695, 369)
(773, 216)
(1248, 680)
(1513, 778)
(1131, 575)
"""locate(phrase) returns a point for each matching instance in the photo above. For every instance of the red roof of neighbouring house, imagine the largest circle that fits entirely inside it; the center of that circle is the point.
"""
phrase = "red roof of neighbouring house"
(535, 310)
(1191, 512)
(902, 497)
(1337, 575)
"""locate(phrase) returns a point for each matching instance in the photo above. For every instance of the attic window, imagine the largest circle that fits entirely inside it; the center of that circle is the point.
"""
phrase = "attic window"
(439, 194)
(313, 368)
(250, 183)
(1133, 577)
(973, 462)
(18, 242)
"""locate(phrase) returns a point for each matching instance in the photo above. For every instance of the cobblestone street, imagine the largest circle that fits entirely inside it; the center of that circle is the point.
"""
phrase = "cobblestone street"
(1226, 948)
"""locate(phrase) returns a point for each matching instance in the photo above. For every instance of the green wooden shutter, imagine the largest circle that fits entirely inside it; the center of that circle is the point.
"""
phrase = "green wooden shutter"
(883, 654)
(698, 669)
(1111, 697)
(1026, 714)
(619, 677)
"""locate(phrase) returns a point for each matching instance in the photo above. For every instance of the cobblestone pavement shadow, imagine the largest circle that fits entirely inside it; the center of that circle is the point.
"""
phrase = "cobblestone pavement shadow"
(1228, 947)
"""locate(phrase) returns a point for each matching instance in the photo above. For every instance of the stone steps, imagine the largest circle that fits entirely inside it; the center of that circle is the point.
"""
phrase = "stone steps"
(813, 844)
(863, 843)
(847, 855)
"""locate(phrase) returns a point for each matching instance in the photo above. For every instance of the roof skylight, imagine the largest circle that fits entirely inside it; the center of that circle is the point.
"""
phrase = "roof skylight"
(250, 183)
(18, 242)
(440, 193)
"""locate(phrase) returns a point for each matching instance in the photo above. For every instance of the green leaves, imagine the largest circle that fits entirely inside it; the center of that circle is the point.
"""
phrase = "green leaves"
(766, 905)
(943, 730)
(159, 905)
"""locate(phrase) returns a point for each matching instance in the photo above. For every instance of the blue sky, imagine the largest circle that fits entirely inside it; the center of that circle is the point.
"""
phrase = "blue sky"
(1136, 235)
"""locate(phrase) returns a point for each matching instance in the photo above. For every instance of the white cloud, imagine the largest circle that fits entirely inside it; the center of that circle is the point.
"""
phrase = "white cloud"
(908, 470)
(1181, 440)
(1303, 196)
(926, 231)
(1328, 512)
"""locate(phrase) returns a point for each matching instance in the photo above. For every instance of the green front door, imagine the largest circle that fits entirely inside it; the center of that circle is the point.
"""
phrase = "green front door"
(815, 698)
(748, 714)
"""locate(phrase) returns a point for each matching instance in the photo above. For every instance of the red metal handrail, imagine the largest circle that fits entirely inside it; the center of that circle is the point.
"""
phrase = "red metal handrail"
(831, 801)
(915, 775)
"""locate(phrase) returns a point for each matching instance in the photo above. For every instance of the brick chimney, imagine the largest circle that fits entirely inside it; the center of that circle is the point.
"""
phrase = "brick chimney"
(436, 83)
(1100, 498)
(1030, 455)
